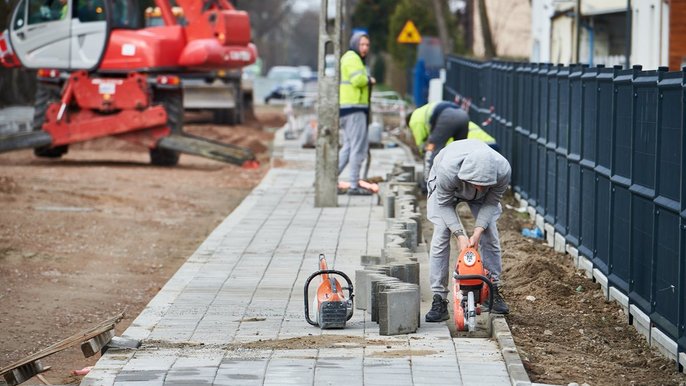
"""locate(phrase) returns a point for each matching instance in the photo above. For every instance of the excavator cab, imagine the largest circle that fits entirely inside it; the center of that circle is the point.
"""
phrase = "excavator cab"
(60, 34)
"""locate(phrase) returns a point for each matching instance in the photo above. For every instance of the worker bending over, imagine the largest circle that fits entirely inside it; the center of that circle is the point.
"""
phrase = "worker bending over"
(465, 171)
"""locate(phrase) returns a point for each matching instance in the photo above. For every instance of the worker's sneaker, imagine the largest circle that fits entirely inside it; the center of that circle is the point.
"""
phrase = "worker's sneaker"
(439, 310)
(499, 305)
(359, 191)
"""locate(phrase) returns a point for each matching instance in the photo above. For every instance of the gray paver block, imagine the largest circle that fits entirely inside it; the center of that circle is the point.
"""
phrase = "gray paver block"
(540, 222)
(549, 235)
(602, 279)
(399, 310)
(664, 344)
(621, 299)
(379, 284)
(560, 243)
(363, 286)
(682, 361)
(641, 321)
(574, 253)
(586, 266)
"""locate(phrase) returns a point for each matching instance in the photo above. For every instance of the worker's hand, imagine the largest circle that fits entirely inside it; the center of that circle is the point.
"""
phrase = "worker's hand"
(372, 81)
(462, 242)
(474, 240)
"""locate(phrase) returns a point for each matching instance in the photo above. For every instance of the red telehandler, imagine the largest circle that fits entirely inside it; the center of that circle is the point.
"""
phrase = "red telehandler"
(103, 73)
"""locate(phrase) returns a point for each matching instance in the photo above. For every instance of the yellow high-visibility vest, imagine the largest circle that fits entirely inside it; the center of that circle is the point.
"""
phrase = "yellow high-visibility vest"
(476, 132)
(354, 88)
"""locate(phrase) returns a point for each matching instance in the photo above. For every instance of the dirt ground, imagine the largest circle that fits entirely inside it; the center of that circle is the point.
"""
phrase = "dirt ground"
(567, 332)
(101, 230)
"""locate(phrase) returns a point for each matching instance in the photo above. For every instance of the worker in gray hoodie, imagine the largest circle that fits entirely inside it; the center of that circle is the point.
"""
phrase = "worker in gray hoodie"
(465, 171)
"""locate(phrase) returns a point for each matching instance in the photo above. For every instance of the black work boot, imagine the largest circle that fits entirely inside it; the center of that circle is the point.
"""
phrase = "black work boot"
(499, 305)
(439, 310)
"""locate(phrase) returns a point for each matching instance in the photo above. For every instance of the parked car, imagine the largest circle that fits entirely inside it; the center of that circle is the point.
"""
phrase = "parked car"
(306, 74)
(287, 79)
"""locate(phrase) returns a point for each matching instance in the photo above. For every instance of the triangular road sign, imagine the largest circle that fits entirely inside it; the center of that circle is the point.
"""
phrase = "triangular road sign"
(409, 34)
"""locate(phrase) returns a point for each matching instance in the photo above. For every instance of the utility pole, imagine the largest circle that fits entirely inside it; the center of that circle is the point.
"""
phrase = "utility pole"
(326, 169)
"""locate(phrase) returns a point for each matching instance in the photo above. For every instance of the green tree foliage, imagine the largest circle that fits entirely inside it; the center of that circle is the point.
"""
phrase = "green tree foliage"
(374, 15)
(385, 19)
(421, 14)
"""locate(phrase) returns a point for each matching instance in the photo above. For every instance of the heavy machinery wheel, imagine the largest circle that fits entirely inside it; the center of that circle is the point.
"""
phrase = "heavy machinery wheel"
(172, 101)
(45, 95)
(232, 116)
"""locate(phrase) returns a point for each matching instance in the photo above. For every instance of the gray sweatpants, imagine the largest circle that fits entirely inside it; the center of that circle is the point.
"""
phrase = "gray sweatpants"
(439, 256)
(355, 145)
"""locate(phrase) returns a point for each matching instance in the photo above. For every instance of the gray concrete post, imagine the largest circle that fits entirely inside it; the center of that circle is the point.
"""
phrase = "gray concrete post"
(326, 170)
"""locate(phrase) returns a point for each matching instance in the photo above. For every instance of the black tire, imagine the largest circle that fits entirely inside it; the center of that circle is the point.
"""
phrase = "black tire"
(248, 108)
(232, 116)
(45, 95)
(172, 101)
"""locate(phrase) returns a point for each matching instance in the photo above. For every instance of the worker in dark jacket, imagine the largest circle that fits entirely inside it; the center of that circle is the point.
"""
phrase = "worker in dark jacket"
(469, 171)
(435, 125)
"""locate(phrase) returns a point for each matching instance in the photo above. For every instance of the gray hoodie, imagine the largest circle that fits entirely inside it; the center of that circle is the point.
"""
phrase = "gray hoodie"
(355, 43)
(456, 169)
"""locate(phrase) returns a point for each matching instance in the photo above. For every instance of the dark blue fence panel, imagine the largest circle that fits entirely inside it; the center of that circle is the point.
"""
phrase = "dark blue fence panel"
(532, 168)
(550, 157)
(542, 138)
(682, 244)
(603, 194)
(601, 153)
(643, 168)
(589, 124)
(667, 287)
(561, 150)
(509, 128)
(620, 211)
(576, 106)
(521, 158)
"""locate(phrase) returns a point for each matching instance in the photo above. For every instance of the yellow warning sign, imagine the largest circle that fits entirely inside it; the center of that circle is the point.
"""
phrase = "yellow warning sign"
(409, 34)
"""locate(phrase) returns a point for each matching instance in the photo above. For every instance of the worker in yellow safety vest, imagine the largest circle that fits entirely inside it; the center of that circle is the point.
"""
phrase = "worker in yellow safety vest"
(354, 108)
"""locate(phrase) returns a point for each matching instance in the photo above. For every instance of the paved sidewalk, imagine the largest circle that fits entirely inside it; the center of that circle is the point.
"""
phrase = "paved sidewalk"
(233, 313)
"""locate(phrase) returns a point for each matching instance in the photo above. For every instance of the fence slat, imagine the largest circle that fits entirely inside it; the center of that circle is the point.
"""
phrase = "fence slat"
(620, 209)
(589, 95)
(666, 285)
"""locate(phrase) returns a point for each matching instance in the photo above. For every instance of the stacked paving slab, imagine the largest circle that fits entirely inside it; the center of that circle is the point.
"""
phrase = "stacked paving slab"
(388, 286)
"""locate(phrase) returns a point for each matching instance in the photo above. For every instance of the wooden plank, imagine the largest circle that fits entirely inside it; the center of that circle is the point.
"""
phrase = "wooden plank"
(93, 345)
(23, 373)
(66, 343)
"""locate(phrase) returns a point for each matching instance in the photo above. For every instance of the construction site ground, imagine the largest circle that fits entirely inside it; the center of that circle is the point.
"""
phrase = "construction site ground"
(101, 231)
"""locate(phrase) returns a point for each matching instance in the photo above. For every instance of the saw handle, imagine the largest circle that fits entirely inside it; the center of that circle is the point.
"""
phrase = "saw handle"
(484, 279)
(307, 287)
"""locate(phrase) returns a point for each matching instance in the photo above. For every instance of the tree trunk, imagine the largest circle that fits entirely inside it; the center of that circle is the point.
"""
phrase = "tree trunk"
(446, 41)
(489, 45)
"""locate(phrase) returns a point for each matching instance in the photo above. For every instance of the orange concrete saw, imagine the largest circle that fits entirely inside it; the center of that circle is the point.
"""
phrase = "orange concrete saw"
(332, 308)
(471, 288)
